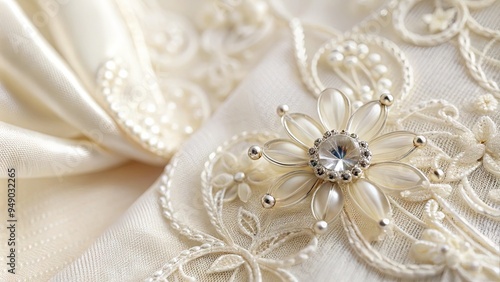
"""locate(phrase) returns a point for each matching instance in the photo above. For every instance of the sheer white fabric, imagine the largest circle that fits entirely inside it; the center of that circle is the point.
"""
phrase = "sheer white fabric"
(90, 227)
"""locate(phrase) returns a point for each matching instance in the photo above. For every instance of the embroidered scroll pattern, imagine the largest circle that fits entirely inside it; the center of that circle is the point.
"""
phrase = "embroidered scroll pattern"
(444, 239)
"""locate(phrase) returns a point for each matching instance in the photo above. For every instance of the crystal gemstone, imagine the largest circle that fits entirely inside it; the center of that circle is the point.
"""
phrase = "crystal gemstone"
(339, 152)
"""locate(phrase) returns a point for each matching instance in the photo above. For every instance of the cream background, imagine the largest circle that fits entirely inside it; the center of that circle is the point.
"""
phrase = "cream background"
(106, 224)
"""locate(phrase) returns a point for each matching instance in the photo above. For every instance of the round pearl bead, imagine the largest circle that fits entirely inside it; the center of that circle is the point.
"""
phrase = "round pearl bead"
(384, 84)
(363, 51)
(365, 89)
(339, 49)
(351, 61)
(335, 58)
(282, 110)
(239, 177)
(348, 92)
(374, 59)
(380, 70)
(320, 227)
(366, 97)
(351, 47)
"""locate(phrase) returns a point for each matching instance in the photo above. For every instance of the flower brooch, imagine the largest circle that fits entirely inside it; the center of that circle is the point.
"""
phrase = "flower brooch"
(343, 156)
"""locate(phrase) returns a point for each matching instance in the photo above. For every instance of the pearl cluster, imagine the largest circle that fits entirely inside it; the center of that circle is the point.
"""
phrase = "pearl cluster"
(344, 176)
(352, 56)
(157, 128)
(170, 39)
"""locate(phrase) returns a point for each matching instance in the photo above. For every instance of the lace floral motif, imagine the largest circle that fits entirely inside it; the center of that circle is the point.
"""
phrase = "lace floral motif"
(256, 261)
(237, 176)
(440, 246)
(232, 31)
(441, 241)
(477, 149)
(451, 18)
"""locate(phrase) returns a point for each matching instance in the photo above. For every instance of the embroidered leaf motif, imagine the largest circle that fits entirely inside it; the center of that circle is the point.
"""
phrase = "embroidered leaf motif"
(492, 165)
(458, 170)
(248, 223)
(226, 263)
(275, 241)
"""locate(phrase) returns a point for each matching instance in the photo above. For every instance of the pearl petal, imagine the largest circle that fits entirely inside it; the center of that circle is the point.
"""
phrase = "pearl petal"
(244, 192)
(334, 109)
(368, 120)
(327, 202)
(370, 200)
(392, 146)
(292, 187)
(302, 128)
(228, 161)
(230, 194)
(396, 177)
(283, 152)
(222, 180)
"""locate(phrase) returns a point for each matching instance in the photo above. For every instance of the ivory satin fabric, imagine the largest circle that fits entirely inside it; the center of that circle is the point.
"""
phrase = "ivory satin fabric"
(87, 195)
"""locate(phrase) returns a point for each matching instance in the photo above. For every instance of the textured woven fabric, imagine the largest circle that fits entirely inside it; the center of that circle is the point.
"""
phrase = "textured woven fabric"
(87, 213)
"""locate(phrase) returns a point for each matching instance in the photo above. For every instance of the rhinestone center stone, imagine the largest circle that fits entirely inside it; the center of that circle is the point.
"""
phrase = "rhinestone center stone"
(339, 153)
(339, 156)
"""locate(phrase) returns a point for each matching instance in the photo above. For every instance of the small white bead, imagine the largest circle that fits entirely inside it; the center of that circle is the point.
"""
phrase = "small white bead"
(351, 61)
(380, 70)
(365, 89)
(282, 110)
(335, 58)
(239, 177)
(363, 51)
(351, 47)
(374, 59)
(110, 65)
(366, 97)
(348, 92)
(384, 84)
(320, 227)
(357, 104)
(188, 129)
(339, 49)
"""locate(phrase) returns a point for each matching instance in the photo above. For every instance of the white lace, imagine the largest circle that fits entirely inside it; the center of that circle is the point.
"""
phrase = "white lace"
(463, 163)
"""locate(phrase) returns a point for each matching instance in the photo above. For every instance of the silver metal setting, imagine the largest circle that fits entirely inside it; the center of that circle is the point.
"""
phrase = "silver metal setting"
(268, 201)
(386, 99)
(344, 176)
(419, 141)
(384, 222)
(436, 175)
(255, 152)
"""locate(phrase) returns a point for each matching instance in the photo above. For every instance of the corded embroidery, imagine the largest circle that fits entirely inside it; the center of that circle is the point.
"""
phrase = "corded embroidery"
(348, 57)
